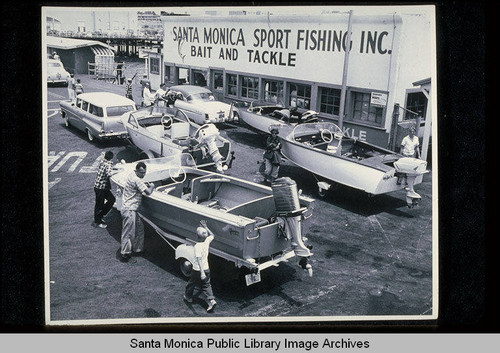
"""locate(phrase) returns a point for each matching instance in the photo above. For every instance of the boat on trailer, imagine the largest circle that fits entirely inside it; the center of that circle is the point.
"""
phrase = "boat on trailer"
(255, 226)
(324, 150)
(260, 115)
(159, 131)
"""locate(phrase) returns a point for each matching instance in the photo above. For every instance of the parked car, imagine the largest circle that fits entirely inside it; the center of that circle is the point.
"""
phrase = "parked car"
(56, 73)
(199, 104)
(98, 114)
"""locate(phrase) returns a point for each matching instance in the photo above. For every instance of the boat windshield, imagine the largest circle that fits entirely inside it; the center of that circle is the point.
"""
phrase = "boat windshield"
(264, 103)
(314, 128)
(156, 113)
(172, 161)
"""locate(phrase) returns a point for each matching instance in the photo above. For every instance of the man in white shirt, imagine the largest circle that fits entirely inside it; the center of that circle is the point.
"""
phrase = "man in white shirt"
(159, 95)
(148, 98)
(200, 274)
(410, 145)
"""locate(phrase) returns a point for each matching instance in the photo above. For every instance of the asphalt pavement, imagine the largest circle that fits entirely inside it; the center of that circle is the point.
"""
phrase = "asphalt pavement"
(373, 256)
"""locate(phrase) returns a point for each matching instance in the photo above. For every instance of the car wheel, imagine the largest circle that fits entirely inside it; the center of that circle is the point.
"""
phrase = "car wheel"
(90, 136)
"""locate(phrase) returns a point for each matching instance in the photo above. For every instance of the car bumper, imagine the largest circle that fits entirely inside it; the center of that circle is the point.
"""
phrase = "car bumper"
(113, 135)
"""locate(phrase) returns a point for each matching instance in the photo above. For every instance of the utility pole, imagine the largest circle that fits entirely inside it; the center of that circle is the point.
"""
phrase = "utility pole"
(344, 75)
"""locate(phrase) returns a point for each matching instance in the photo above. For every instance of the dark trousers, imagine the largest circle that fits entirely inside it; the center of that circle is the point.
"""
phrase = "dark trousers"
(104, 201)
(201, 286)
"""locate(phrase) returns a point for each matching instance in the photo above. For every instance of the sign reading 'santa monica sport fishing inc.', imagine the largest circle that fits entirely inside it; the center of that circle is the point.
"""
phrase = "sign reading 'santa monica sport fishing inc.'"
(289, 46)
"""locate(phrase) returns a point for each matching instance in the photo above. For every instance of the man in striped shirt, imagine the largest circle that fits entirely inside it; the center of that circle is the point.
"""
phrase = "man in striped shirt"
(132, 240)
(104, 199)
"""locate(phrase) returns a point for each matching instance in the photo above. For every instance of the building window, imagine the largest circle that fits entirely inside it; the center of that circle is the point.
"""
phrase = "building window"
(416, 102)
(329, 100)
(273, 91)
(154, 65)
(232, 84)
(168, 76)
(250, 87)
(218, 80)
(199, 78)
(300, 95)
(363, 111)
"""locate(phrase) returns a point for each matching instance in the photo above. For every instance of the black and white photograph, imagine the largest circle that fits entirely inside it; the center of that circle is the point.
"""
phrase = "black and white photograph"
(246, 164)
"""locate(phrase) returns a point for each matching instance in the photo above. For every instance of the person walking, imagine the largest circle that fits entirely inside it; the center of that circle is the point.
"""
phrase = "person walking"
(71, 87)
(410, 145)
(272, 156)
(78, 87)
(104, 199)
(200, 274)
(132, 238)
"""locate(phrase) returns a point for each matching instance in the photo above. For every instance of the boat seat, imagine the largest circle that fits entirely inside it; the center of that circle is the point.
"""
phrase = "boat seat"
(171, 189)
(157, 130)
(180, 130)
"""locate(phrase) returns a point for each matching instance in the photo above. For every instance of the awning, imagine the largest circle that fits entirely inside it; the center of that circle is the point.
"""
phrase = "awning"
(102, 51)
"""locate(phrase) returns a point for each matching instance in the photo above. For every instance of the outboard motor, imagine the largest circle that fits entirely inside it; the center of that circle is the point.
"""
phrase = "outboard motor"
(207, 136)
(410, 168)
(286, 200)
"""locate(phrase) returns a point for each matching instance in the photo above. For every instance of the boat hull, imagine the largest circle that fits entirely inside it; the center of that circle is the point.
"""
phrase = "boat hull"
(373, 177)
(241, 214)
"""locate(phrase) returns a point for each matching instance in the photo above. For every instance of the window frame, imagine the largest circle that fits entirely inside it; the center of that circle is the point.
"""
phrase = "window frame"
(247, 87)
(366, 94)
(304, 87)
(280, 97)
(231, 85)
(154, 68)
(319, 102)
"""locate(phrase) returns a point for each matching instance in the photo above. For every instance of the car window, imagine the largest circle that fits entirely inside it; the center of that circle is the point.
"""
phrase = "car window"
(85, 105)
(95, 110)
(78, 102)
(204, 97)
(119, 110)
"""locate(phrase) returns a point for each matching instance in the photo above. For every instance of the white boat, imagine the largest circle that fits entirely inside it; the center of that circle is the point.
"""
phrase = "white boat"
(255, 226)
(260, 115)
(324, 150)
(159, 131)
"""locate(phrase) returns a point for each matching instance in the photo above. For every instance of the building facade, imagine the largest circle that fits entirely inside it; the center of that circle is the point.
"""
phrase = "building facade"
(299, 60)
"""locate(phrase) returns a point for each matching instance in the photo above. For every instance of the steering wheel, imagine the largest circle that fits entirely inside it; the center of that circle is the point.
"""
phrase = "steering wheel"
(201, 128)
(326, 135)
(173, 177)
(167, 121)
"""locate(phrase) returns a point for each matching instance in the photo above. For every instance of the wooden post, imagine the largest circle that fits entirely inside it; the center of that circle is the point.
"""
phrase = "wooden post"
(344, 75)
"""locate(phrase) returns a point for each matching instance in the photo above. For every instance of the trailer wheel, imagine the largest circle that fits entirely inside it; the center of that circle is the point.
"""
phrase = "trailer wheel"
(185, 267)
(146, 155)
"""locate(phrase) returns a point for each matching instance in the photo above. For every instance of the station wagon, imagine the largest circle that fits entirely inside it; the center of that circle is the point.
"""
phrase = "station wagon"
(98, 114)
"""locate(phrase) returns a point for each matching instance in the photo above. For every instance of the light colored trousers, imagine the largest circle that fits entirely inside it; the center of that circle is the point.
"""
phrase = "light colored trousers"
(132, 232)
(272, 170)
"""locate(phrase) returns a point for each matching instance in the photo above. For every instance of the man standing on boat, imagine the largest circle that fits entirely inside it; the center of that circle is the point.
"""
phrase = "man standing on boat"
(272, 156)
(200, 274)
(132, 240)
